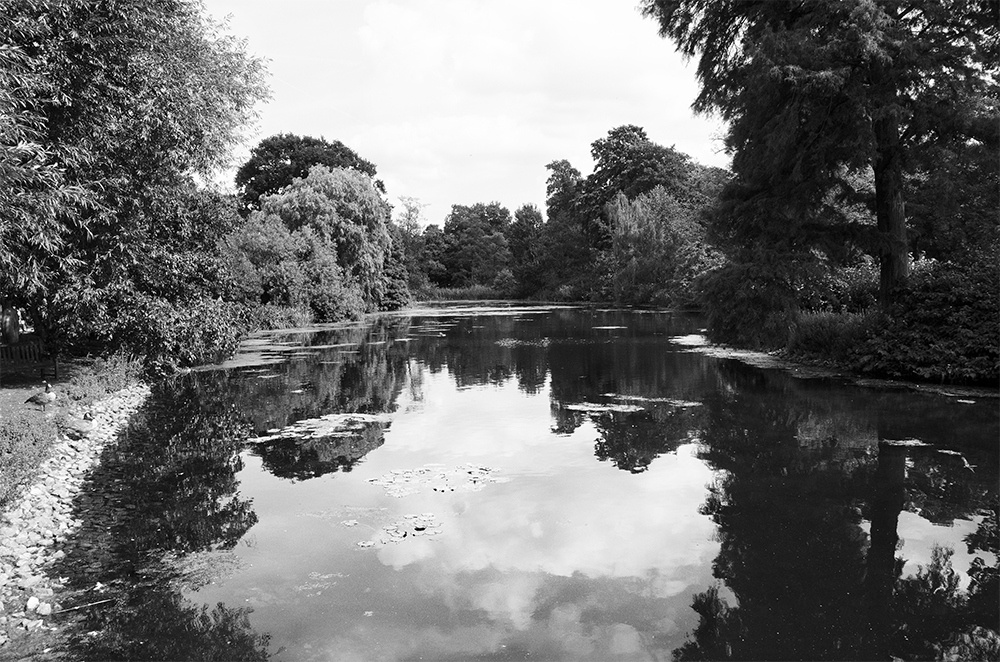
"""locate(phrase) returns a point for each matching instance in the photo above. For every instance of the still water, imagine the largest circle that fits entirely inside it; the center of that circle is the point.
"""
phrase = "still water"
(558, 483)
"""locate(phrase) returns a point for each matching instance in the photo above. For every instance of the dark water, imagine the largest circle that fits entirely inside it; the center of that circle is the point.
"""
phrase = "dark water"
(541, 483)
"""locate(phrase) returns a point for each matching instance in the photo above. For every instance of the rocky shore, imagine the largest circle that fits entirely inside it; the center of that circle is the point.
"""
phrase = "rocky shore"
(37, 529)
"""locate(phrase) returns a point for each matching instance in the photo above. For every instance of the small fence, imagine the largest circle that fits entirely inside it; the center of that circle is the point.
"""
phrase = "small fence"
(28, 353)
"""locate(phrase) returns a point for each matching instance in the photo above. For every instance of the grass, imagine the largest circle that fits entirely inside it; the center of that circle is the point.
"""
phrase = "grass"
(470, 293)
(27, 435)
(829, 335)
(25, 440)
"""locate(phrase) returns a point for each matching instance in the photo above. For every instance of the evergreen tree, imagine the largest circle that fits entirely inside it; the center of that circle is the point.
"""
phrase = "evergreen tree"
(818, 91)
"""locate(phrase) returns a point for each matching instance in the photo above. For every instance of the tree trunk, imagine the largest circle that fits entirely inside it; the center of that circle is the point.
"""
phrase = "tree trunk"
(886, 504)
(889, 210)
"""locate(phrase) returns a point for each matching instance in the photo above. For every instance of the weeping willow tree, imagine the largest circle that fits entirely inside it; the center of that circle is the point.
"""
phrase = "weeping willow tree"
(658, 249)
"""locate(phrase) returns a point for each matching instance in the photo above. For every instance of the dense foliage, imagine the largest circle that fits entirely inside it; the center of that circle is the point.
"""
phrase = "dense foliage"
(276, 161)
(839, 113)
(860, 131)
(322, 245)
(818, 93)
(658, 250)
(112, 115)
(631, 231)
(943, 326)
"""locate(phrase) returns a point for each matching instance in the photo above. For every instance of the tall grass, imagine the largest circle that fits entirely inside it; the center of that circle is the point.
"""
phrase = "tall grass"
(472, 292)
(830, 335)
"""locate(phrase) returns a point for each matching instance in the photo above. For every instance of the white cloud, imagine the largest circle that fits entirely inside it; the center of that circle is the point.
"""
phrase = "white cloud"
(459, 102)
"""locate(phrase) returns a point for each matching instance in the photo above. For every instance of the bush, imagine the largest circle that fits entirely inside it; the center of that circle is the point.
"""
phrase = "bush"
(751, 305)
(271, 316)
(104, 375)
(472, 292)
(831, 335)
(944, 325)
(505, 283)
(852, 289)
(25, 439)
(169, 336)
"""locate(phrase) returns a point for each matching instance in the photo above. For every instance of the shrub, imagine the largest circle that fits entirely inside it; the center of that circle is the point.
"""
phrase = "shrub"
(270, 316)
(505, 284)
(851, 289)
(104, 375)
(168, 335)
(25, 439)
(752, 304)
(943, 326)
(831, 335)
(472, 292)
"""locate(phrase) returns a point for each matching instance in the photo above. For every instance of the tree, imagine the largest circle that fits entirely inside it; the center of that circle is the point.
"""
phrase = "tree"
(658, 249)
(33, 186)
(524, 236)
(627, 162)
(561, 189)
(477, 249)
(408, 228)
(113, 108)
(818, 90)
(278, 160)
(342, 208)
(565, 251)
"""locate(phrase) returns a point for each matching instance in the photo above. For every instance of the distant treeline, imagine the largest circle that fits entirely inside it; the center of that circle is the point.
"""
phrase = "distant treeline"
(859, 222)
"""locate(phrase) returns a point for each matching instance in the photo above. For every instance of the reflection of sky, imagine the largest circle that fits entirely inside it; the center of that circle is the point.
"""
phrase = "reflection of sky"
(572, 558)
(919, 537)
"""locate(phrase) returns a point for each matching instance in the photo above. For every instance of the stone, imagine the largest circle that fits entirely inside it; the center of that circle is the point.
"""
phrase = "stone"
(32, 603)
(36, 526)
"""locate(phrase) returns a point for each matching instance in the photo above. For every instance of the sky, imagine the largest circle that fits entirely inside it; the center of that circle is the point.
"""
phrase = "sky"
(466, 101)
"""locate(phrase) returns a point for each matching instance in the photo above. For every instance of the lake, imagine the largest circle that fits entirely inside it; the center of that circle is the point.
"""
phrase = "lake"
(535, 482)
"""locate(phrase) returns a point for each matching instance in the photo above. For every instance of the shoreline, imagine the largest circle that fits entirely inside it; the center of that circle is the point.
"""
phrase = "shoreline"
(37, 527)
(803, 369)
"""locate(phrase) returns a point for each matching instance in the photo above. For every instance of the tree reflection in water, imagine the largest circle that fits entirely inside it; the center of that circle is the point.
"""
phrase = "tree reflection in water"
(807, 502)
(171, 485)
(632, 440)
(173, 490)
(809, 582)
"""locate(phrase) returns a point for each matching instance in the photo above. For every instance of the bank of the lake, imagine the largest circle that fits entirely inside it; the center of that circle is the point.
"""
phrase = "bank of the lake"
(38, 527)
(802, 367)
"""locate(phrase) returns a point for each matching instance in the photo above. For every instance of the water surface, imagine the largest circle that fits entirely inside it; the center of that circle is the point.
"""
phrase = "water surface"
(538, 483)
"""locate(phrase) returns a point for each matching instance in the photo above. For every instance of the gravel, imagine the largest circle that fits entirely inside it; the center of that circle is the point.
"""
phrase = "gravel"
(36, 529)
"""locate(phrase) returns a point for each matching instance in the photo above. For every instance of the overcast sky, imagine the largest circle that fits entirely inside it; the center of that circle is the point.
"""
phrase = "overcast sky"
(465, 101)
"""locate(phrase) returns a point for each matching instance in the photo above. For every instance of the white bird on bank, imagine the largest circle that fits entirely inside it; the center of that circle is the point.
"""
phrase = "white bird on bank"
(42, 398)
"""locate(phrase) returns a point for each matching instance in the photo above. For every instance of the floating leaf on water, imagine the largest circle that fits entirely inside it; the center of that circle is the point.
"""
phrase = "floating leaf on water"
(325, 426)
(593, 408)
(692, 340)
(638, 398)
(404, 482)
(909, 443)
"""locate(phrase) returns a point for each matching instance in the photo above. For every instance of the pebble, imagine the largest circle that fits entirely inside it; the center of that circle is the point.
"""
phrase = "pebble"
(37, 525)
